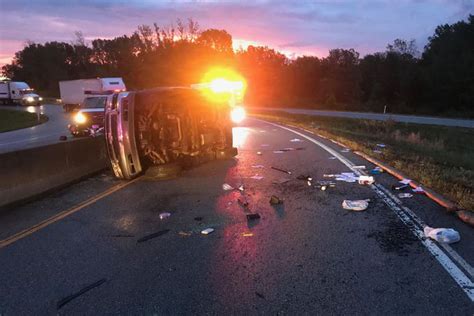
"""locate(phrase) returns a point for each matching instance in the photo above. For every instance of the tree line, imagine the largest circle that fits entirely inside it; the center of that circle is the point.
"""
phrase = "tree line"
(439, 80)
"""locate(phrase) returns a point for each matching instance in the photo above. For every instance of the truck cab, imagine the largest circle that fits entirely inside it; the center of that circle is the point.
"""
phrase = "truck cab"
(18, 92)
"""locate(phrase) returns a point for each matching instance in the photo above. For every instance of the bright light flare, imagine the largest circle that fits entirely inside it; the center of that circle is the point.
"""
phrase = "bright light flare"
(80, 118)
(222, 85)
(30, 99)
(238, 114)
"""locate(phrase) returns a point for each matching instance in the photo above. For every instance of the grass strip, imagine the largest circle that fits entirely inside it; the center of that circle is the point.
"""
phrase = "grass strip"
(12, 120)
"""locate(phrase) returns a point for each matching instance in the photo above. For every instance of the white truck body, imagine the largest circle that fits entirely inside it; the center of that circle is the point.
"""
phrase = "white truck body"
(73, 92)
(18, 92)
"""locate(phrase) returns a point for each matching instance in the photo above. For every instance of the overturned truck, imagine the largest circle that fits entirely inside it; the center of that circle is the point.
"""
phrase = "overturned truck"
(154, 130)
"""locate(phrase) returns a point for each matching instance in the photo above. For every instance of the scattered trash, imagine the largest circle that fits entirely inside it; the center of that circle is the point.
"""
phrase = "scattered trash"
(345, 150)
(227, 187)
(400, 187)
(366, 180)
(405, 181)
(184, 234)
(358, 167)
(247, 234)
(207, 231)
(198, 218)
(62, 137)
(376, 170)
(288, 149)
(418, 190)
(154, 235)
(241, 188)
(164, 215)
(256, 177)
(332, 158)
(295, 140)
(355, 205)
(259, 153)
(278, 152)
(405, 195)
(345, 176)
(69, 298)
(253, 216)
(258, 166)
(442, 235)
(275, 200)
(381, 145)
(282, 170)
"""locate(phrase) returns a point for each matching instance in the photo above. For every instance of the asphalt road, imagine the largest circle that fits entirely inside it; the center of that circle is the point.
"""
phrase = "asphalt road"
(381, 117)
(39, 135)
(307, 256)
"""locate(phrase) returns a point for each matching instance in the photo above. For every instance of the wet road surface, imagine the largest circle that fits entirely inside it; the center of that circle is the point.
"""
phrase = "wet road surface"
(306, 256)
(39, 135)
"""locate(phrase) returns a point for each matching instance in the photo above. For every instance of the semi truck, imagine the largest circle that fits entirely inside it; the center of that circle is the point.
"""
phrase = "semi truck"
(18, 92)
(73, 92)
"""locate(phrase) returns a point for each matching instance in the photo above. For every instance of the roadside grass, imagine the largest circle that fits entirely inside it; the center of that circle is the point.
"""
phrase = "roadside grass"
(11, 120)
(439, 157)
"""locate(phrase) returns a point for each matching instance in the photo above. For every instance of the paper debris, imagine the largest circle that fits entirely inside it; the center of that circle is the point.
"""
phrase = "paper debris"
(356, 205)
(227, 187)
(358, 167)
(366, 180)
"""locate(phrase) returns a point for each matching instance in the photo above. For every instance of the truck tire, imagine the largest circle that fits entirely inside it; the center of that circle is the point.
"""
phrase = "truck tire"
(160, 172)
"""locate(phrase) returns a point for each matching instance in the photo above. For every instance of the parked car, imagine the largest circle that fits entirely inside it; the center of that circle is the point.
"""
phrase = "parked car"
(12, 92)
(73, 92)
(155, 127)
(89, 118)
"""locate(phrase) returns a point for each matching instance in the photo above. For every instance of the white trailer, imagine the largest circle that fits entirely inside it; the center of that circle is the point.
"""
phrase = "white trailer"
(73, 92)
(18, 92)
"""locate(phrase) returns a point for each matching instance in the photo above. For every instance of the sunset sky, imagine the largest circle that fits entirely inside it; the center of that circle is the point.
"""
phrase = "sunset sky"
(293, 27)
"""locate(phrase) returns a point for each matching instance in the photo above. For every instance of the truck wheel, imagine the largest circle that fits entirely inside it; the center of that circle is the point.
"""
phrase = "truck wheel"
(226, 153)
(165, 171)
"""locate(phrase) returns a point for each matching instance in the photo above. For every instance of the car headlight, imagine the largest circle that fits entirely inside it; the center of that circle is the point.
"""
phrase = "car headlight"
(80, 118)
(30, 99)
(238, 114)
(40, 98)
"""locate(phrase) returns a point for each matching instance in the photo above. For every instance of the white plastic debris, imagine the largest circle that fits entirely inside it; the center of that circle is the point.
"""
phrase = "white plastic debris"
(207, 231)
(405, 195)
(259, 153)
(358, 167)
(355, 205)
(278, 152)
(405, 181)
(366, 180)
(346, 177)
(256, 177)
(227, 187)
(295, 140)
(443, 235)
(164, 215)
(418, 190)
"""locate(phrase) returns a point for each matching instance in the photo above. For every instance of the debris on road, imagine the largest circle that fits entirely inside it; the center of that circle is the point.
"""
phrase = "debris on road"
(253, 216)
(345, 150)
(207, 231)
(258, 166)
(355, 205)
(324, 185)
(241, 188)
(281, 170)
(295, 140)
(164, 215)
(256, 177)
(405, 195)
(346, 177)
(62, 137)
(278, 152)
(227, 187)
(154, 235)
(400, 187)
(69, 298)
(418, 190)
(405, 181)
(259, 153)
(358, 167)
(442, 235)
(376, 170)
(275, 200)
(332, 158)
(366, 180)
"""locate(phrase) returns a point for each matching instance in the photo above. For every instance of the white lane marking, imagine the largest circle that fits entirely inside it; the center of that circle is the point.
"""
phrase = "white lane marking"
(411, 221)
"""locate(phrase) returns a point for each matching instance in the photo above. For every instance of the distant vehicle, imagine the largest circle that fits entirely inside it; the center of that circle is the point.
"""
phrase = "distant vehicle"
(89, 118)
(73, 92)
(166, 126)
(18, 92)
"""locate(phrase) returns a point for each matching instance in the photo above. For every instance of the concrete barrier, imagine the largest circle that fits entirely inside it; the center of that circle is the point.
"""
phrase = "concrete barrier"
(30, 172)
